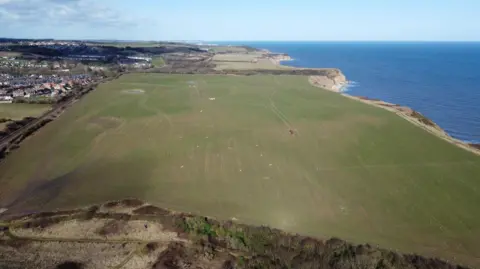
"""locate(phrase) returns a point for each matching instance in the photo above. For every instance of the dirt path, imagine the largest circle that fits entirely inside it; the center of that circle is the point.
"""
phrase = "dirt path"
(279, 113)
(407, 114)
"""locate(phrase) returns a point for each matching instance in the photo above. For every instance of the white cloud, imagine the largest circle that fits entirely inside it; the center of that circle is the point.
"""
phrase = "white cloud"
(62, 12)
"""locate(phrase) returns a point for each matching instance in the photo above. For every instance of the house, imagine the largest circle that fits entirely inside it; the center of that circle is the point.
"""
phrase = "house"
(6, 99)
(18, 93)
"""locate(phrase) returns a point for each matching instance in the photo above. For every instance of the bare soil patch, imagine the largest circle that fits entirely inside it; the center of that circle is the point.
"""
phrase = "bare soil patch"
(112, 227)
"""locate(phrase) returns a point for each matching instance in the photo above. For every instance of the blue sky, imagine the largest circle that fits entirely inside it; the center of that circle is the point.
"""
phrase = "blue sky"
(339, 20)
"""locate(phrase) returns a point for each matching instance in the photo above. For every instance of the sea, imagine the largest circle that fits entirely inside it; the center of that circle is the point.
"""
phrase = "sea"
(441, 80)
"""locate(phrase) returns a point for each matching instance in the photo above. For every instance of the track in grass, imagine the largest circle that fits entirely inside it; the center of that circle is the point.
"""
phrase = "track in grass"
(353, 171)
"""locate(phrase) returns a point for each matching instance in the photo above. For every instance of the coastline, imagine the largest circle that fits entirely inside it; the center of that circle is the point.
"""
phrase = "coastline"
(406, 113)
(276, 58)
(337, 83)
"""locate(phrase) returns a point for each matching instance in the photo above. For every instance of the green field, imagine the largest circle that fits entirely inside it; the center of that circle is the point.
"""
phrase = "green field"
(222, 49)
(20, 111)
(348, 170)
(158, 61)
(242, 61)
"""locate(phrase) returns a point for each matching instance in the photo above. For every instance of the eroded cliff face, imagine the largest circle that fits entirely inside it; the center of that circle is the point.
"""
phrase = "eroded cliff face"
(338, 77)
(333, 80)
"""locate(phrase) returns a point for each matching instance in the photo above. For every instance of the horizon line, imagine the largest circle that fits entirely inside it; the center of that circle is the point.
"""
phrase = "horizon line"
(246, 40)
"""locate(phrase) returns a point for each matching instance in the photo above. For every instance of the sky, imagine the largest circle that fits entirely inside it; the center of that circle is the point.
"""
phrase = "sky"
(252, 20)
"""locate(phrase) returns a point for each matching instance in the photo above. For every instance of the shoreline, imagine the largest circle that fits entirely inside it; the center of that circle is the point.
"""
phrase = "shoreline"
(276, 58)
(405, 112)
(339, 82)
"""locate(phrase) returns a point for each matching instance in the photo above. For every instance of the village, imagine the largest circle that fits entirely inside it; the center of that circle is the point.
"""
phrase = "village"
(45, 87)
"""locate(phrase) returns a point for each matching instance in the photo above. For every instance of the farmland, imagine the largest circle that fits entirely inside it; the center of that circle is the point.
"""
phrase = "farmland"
(158, 62)
(242, 61)
(20, 111)
(261, 149)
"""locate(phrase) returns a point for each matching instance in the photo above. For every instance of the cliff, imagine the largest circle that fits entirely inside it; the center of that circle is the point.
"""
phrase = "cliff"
(333, 80)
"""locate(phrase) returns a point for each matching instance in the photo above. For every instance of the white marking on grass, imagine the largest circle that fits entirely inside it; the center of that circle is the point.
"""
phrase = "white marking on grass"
(344, 210)
(181, 166)
(270, 164)
(212, 98)
(201, 111)
(134, 91)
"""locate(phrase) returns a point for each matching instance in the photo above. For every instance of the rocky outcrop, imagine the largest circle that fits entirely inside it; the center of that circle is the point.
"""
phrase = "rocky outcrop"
(277, 58)
(333, 80)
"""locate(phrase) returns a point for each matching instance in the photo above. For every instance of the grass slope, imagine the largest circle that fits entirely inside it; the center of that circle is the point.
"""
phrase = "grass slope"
(350, 170)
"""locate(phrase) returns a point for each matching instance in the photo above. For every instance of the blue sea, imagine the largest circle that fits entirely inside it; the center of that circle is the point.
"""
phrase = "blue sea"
(440, 80)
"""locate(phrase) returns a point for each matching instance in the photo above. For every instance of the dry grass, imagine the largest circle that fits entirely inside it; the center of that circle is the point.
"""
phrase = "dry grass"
(101, 229)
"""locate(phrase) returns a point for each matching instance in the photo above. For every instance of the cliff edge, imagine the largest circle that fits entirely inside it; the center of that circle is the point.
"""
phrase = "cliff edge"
(134, 234)
(334, 80)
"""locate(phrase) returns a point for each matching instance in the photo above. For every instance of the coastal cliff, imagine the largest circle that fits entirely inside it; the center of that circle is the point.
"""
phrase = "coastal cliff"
(277, 58)
(333, 80)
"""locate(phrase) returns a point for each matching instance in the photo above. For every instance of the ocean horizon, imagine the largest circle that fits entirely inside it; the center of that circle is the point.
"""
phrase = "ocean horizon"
(438, 79)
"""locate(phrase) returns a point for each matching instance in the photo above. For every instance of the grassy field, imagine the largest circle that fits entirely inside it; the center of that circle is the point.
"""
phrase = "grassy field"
(222, 146)
(20, 111)
(232, 49)
(237, 61)
(158, 61)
